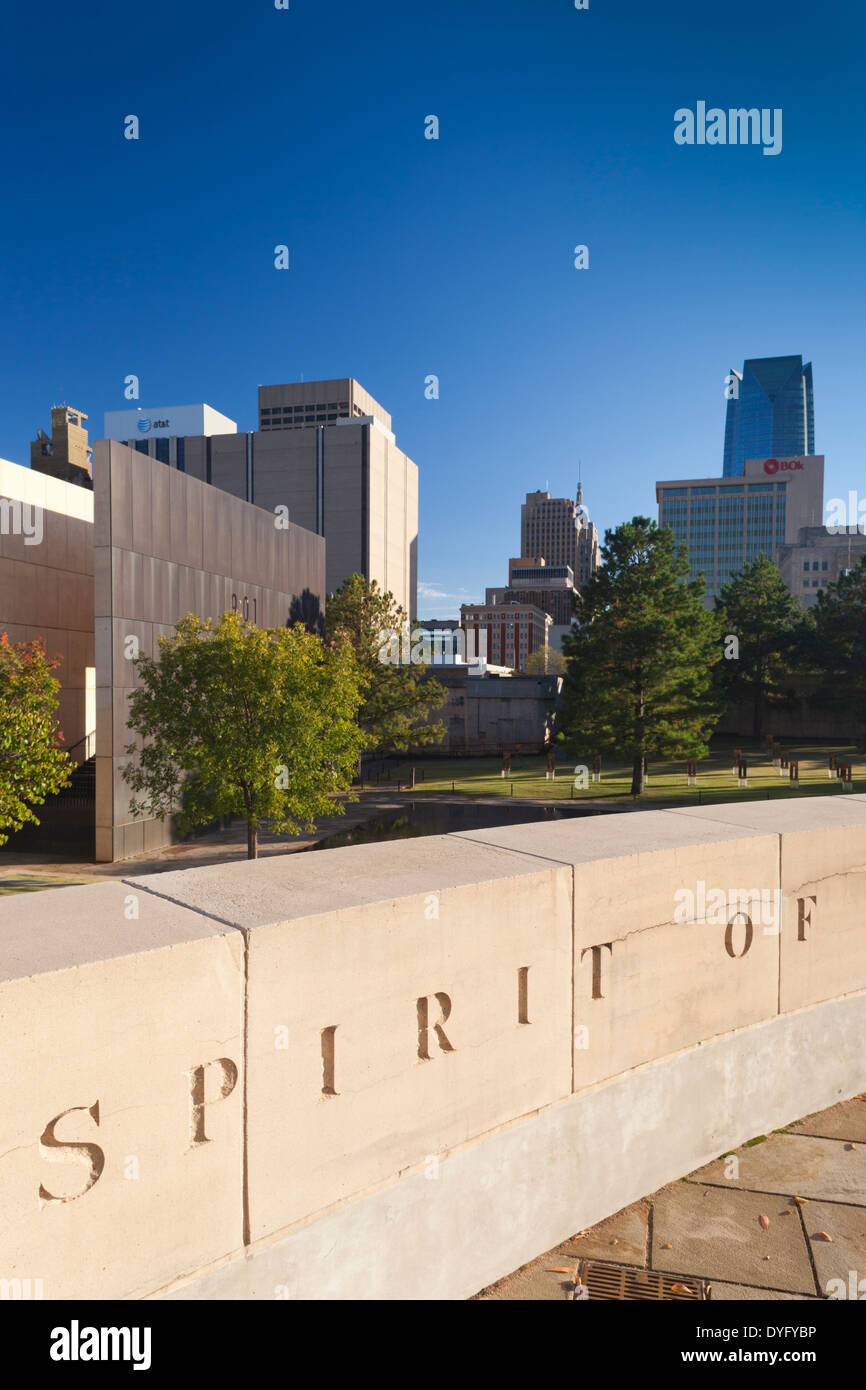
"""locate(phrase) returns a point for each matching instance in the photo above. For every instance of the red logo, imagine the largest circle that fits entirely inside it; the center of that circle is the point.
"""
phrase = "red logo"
(787, 465)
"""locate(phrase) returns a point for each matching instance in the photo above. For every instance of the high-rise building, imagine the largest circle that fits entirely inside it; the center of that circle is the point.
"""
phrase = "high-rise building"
(726, 523)
(559, 531)
(770, 412)
(325, 453)
(548, 587)
(67, 454)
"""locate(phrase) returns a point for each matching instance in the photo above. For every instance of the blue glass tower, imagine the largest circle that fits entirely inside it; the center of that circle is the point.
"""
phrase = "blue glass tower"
(771, 414)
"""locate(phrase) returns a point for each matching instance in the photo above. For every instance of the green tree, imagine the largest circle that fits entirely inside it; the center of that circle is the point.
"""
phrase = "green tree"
(834, 641)
(759, 611)
(239, 720)
(639, 681)
(32, 767)
(399, 698)
(544, 661)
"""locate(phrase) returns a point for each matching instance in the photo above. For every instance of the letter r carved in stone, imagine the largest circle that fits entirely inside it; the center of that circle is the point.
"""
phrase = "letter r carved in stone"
(424, 1025)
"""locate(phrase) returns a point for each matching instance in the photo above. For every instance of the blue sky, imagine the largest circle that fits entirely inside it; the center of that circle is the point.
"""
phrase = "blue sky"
(411, 257)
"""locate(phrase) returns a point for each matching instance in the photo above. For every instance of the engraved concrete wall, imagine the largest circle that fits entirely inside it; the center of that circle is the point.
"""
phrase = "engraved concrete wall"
(402, 1070)
(167, 544)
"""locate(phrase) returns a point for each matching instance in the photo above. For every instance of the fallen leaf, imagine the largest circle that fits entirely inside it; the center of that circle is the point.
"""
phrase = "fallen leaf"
(667, 1247)
(680, 1288)
(788, 1212)
(822, 1235)
(560, 1269)
(850, 1146)
(765, 1222)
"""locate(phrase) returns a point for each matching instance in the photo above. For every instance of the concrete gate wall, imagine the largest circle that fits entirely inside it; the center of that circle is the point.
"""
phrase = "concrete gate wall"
(401, 1070)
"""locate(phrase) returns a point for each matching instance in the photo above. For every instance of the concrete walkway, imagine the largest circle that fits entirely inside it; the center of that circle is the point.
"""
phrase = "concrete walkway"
(781, 1218)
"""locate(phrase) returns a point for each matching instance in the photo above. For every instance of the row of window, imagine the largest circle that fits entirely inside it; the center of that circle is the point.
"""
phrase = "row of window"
(814, 564)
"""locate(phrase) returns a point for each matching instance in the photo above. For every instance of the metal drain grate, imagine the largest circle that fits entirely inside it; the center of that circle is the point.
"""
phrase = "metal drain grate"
(623, 1283)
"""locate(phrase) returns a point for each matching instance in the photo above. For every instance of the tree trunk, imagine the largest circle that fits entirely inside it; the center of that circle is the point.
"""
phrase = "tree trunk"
(252, 839)
(637, 776)
(758, 709)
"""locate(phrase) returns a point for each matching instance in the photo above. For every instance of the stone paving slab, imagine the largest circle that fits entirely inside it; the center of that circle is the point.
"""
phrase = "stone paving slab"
(796, 1165)
(845, 1121)
(623, 1238)
(846, 1250)
(716, 1234)
(713, 1225)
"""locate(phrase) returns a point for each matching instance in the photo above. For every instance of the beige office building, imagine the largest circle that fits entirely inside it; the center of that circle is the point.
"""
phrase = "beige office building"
(559, 530)
(325, 451)
(817, 558)
(726, 523)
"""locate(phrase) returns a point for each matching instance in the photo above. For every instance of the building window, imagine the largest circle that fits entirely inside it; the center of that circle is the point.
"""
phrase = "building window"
(823, 564)
(805, 564)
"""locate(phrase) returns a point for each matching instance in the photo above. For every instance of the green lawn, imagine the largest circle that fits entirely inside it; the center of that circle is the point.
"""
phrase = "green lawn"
(667, 781)
(34, 883)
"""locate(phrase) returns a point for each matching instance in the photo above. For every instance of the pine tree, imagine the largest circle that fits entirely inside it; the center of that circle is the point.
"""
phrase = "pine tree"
(758, 609)
(641, 654)
(399, 698)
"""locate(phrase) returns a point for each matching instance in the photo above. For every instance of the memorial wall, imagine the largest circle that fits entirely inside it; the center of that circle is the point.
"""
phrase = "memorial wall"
(401, 1070)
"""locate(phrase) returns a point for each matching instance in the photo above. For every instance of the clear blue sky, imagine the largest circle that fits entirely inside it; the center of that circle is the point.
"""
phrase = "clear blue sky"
(262, 126)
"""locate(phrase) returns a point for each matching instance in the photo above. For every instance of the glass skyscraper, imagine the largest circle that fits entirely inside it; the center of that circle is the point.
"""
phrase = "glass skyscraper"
(772, 412)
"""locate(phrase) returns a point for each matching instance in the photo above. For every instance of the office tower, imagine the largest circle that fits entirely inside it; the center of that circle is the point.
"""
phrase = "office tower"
(559, 531)
(66, 455)
(134, 427)
(726, 523)
(770, 412)
(326, 455)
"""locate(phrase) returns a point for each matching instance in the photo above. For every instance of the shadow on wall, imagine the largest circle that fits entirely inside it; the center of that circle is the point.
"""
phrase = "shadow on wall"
(307, 610)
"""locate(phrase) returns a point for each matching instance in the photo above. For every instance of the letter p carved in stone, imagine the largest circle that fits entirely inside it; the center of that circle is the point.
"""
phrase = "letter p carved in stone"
(198, 1095)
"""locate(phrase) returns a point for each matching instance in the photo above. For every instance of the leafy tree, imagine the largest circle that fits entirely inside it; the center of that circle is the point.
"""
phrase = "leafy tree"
(240, 720)
(834, 641)
(758, 609)
(399, 698)
(32, 767)
(544, 661)
(640, 655)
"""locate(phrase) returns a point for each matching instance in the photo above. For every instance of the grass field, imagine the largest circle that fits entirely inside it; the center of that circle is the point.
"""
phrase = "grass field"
(668, 782)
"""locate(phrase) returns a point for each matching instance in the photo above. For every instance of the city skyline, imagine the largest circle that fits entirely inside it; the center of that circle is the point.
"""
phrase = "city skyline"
(450, 258)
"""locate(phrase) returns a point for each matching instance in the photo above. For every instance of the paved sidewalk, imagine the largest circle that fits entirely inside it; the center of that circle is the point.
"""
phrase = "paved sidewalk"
(781, 1218)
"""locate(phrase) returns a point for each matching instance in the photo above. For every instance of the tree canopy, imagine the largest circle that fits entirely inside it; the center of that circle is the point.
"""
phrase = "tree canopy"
(239, 720)
(758, 610)
(399, 698)
(641, 653)
(32, 765)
